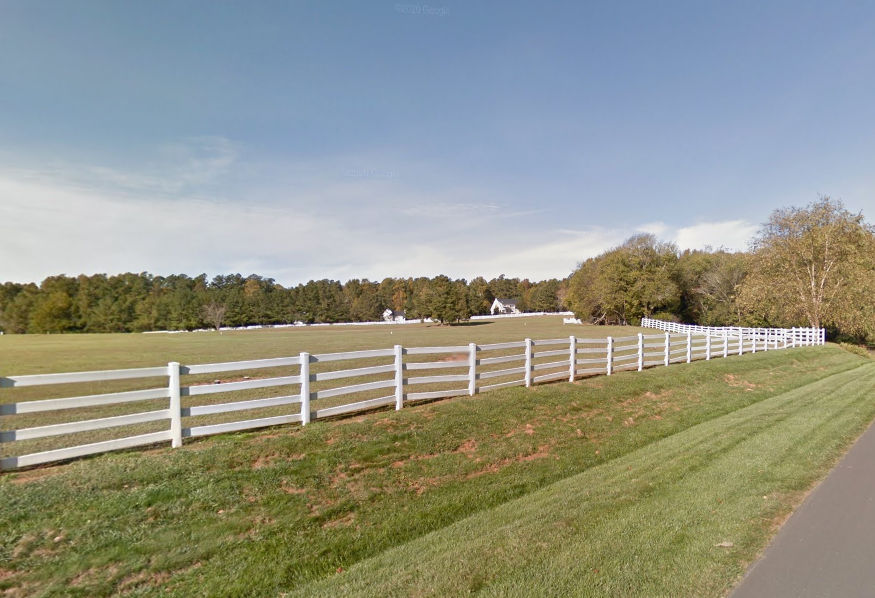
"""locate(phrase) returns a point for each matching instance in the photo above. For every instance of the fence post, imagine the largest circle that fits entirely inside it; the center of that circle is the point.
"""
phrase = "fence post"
(640, 351)
(667, 348)
(766, 340)
(472, 369)
(528, 362)
(175, 404)
(740, 342)
(753, 337)
(689, 346)
(572, 358)
(725, 344)
(707, 347)
(305, 388)
(399, 377)
(610, 355)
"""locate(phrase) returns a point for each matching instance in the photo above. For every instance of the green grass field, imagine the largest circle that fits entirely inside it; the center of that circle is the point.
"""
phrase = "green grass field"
(42, 353)
(621, 485)
(28, 354)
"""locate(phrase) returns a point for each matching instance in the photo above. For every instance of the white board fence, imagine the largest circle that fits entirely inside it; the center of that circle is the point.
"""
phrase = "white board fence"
(796, 337)
(473, 369)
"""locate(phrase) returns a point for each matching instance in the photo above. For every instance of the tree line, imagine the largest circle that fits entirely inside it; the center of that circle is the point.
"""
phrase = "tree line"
(140, 302)
(811, 266)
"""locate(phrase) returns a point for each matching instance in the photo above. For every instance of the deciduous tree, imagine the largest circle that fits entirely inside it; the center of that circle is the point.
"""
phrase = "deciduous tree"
(813, 266)
(214, 314)
(626, 283)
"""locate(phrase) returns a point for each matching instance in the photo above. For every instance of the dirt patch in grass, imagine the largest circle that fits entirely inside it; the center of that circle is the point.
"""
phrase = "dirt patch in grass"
(651, 405)
(38, 545)
(583, 415)
(344, 521)
(7, 573)
(25, 589)
(32, 475)
(263, 461)
(420, 485)
(733, 381)
(542, 452)
(527, 429)
(94, 574)
(646, 398)
(467, 448)
(262, 437)
(338, 478)
(268, 460)
(290, 489)
(318, 508)
(142, 578)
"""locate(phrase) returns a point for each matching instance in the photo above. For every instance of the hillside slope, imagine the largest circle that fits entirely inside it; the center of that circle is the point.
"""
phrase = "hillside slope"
(629, 477)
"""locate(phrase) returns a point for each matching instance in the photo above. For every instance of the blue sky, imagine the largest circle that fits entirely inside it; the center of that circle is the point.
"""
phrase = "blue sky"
(350, 139)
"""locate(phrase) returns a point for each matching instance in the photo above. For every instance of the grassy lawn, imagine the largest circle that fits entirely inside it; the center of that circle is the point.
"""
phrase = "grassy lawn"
(45, 353)
(25, 354)
(620, 485)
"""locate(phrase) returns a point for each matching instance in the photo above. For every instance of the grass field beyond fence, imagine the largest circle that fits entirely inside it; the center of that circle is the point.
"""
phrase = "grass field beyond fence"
(42, 420)
(661, 483)
(92, 412)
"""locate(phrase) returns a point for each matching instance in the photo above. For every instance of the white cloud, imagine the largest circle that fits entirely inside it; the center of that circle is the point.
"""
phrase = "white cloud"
(655, 228)
(88, 220)
(192, 166)
(733, 235)
(48, 230)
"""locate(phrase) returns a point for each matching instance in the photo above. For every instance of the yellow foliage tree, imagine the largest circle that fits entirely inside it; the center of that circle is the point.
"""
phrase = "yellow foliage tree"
(813, 266)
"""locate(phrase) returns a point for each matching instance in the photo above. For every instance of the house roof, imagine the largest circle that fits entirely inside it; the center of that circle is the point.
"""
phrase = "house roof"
(507, 301)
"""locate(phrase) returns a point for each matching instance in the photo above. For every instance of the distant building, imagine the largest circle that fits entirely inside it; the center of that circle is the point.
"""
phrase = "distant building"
(391, 315)
(504, 306)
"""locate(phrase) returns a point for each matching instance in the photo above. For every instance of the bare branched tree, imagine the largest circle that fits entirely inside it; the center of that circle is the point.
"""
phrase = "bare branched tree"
(214, 314)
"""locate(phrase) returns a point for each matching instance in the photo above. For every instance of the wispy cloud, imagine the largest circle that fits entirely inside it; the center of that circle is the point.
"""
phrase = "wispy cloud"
(86, 219)
(200, 160)
(733, 235)
(190, 166)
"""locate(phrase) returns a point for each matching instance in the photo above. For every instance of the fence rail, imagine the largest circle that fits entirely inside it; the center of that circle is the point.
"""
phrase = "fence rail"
(502, 364)
(797, 337)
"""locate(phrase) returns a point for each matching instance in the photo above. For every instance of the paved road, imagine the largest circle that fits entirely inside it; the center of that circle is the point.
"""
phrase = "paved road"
(827, 547)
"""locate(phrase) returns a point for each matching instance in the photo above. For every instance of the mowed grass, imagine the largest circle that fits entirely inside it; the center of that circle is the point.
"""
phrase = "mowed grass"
(29, 354)
(621, 485)
(48, 353)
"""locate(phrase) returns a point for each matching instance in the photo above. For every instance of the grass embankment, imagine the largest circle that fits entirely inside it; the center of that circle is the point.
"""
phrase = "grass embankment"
(611, 486)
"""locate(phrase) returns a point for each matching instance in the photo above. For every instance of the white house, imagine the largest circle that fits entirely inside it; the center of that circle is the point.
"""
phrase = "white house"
(504, 306)
(394, 316)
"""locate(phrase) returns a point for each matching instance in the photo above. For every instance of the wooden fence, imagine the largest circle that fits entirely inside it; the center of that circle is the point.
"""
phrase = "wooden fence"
(191, 403)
